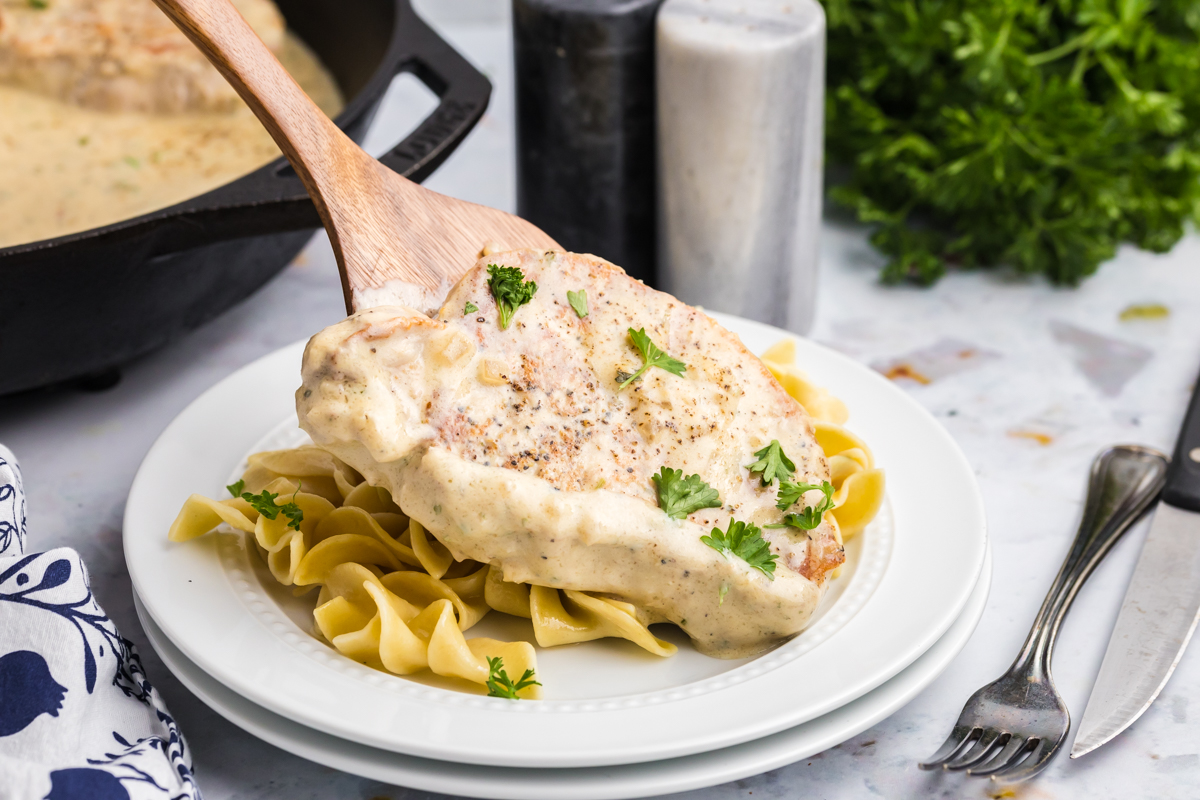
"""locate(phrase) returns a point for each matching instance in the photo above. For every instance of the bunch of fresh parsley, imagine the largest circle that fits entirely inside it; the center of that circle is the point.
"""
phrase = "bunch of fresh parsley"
(1029, 133)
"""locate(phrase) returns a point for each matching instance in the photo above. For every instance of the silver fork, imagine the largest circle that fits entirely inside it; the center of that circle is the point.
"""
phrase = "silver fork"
(1011, 728)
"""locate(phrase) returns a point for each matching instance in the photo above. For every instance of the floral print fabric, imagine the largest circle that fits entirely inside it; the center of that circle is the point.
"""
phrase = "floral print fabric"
(78, 718)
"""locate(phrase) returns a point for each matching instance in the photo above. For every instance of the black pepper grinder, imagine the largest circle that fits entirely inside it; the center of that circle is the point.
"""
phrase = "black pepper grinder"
(585, 125)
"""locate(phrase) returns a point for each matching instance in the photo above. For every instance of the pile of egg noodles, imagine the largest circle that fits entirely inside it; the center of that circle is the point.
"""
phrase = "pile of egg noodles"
(394, 598)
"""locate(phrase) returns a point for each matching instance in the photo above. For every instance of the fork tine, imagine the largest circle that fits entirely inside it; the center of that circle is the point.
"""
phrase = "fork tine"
(991, 741)
(962, 736)
(1016, 748)
(1031, 766)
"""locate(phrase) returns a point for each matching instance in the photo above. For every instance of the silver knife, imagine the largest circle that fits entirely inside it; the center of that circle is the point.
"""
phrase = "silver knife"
(1162, 604)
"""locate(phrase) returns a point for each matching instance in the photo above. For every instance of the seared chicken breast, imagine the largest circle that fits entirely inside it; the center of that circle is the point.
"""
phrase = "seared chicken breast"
(118, 55)
(518, 447)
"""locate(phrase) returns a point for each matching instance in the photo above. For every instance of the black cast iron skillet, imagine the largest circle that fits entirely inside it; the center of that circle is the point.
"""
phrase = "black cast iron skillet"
(82, 304)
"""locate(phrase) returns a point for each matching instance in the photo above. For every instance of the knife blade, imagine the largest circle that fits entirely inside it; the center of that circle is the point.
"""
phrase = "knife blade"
(1161, 605)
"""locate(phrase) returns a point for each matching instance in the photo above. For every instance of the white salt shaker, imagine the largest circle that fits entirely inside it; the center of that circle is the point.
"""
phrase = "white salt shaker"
(741, 90)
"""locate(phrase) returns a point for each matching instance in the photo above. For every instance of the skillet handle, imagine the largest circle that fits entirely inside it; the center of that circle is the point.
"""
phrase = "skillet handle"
(273, 199)
(463, 93)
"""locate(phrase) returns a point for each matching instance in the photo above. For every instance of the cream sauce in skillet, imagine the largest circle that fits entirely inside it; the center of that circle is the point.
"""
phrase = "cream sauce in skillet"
(65, 168)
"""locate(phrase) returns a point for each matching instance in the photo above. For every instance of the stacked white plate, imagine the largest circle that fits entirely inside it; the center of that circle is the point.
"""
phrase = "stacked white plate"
(615, 722)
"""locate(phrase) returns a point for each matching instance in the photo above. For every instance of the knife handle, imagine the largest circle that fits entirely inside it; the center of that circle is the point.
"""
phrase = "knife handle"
(1183, 477)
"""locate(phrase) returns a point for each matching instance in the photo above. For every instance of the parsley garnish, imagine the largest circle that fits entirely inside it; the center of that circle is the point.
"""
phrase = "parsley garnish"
(724, 591)
(680, 496)
(264, 503)
(744, 540)
(510, 289)
(811, 516)
(772, 463)
(40, 5)
(652, 356)
(470, 308)
(1034, 135)
(500, 685)
(578, 301)
(236, 489)
(790, 492)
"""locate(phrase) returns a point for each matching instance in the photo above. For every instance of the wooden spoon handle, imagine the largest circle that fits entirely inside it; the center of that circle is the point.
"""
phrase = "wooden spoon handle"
(355, 195)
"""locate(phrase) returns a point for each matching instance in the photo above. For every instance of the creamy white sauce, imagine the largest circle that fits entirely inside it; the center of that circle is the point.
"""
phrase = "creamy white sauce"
(598, 541)
(518, 449)
(64, 168)
(401, 293)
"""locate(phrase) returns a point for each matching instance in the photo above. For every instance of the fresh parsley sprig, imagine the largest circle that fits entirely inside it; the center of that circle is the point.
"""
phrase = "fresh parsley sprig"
(510, 290)
(236, 488)
(264, 503)
(772, 463)
(651, 357)
(500, 685)
(680, 496)
(744, 540)
(790, 493)
(811, 516)
(578, 301)
(469, 308)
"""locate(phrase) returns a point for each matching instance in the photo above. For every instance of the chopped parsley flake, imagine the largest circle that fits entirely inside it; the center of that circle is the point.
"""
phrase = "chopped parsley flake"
(772, 463)
(578, 301)
(680, 496)
(652, 357)
(264, 503)
(500, 685)
(811, 516)
(744, 540)
(510, 290)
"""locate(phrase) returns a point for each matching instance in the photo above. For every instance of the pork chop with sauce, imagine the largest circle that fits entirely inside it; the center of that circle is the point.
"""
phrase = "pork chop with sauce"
(118, 55)
(518, 448)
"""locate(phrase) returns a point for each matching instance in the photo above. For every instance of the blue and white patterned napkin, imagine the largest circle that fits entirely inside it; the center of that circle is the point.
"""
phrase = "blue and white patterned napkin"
(78, 719)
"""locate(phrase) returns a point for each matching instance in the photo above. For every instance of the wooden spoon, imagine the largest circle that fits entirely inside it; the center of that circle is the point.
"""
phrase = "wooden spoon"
(395, 241)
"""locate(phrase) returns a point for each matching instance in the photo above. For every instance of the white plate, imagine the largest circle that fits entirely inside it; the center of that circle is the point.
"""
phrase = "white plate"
(585, 783)
(606, 669)
(615, 705)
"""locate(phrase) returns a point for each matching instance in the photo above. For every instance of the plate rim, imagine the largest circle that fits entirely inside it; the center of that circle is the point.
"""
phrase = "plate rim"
(487, 751)
(596, 783)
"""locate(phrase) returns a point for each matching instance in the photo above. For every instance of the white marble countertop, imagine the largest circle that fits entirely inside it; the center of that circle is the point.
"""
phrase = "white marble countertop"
(1052, 376)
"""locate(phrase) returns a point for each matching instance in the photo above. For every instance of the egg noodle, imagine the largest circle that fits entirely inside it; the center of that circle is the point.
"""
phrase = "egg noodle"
(393, 597)
(858, 484)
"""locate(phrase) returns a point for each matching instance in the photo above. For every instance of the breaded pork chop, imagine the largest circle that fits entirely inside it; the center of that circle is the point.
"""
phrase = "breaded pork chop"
(518, 447)
(118, 55)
